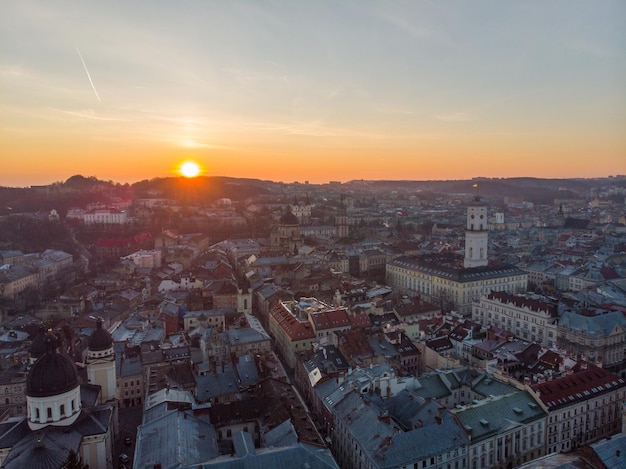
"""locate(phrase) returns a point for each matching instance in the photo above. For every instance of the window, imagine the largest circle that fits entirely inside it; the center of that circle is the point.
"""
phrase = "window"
(62, 410)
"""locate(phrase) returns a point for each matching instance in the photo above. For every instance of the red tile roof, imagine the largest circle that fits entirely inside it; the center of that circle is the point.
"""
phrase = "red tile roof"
(360, 320)
(578, 386)
(522, 302)
(295, 329)
(331, 319)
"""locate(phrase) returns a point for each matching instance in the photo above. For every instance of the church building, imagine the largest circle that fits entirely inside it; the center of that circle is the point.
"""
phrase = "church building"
(64, 415)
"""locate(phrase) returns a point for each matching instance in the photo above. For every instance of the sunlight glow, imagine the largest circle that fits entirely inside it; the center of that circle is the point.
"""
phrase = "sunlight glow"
(189, 169)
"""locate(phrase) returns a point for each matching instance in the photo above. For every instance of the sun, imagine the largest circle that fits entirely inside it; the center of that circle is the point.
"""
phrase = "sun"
(189, 169)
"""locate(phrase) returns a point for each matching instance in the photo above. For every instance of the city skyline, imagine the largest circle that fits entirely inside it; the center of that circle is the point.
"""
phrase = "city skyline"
(312, 91)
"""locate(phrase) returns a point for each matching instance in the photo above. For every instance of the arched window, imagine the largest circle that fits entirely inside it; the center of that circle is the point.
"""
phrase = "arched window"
(49, 411)
(62, 410)
(37, 414)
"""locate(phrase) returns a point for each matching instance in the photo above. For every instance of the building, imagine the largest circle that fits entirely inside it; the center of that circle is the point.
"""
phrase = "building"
(476, 235)
(101, 363)
(441, 280)
(505, 431)
(62, 416)
(583, 407)
(452, 281)
(15, 279)
(292, 334)
(402, 431)
(528, 317)
(302, 210)
(105, 216)
(146, 259)
(286, 234)
(597, 338)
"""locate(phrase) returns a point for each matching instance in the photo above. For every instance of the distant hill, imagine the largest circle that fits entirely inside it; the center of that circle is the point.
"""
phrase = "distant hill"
(203, 188)
(536, 190)
(78, 190)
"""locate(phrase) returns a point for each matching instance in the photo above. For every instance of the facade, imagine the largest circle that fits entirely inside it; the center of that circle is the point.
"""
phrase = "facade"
(476, 235)
(14, 279)
(529, 318)
(505, 431)
(302, 210)
(129, 376)
(286, 234)
(214, 318)
(291, 334)
(101, 363)
(583, 407)
(12, 387)
(440, 280)
(597, 339)
(453, 282)
(106, 216)
(148, 259)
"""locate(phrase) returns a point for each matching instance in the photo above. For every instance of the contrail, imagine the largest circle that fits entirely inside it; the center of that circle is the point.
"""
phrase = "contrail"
(88, 76)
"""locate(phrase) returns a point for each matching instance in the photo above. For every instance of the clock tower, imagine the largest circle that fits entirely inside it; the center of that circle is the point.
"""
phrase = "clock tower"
(476, 234)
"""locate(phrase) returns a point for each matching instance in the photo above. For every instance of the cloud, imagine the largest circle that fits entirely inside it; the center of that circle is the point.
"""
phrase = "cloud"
(405, 112)
(87, 114)
(455, 117)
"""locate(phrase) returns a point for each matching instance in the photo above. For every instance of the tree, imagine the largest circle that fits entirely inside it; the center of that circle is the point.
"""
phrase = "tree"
(73, 461)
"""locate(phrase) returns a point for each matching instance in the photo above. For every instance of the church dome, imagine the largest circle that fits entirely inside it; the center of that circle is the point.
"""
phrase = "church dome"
(100, 339)
(53, 374)
(289, 219)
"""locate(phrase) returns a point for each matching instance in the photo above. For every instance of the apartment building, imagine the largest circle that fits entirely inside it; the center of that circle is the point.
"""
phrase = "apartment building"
(528, 317)
(583, 407)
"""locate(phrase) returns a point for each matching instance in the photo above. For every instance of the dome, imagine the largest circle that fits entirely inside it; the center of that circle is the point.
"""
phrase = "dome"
(53, 374)
(289, 219)
(100, 339)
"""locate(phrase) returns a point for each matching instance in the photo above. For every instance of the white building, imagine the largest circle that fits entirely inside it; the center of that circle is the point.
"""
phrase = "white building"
(148, 259)
(528, 318)
(105, 216)
(452, 282)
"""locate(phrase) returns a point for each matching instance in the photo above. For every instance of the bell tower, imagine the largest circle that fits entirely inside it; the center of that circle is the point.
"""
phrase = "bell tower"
(101, 362)
(476, 234)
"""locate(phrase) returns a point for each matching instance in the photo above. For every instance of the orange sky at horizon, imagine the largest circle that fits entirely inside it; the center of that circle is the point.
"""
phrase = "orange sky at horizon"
(295, 91)
(317, 160)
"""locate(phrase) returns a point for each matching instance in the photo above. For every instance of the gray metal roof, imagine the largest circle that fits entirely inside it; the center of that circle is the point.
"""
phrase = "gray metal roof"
(385, 442)
(219, 384)
(244, 335)
(176, 439)
(494, 415)
(595, 326)
(300, 456)
(612, 452)
(247, 371)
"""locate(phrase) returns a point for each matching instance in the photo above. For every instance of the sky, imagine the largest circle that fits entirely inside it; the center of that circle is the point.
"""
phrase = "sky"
(295, 90)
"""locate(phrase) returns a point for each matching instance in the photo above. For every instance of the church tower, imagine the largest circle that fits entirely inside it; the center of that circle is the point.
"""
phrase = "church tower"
(476, 234)
(52, 389)
(341, 220)
(101, 362)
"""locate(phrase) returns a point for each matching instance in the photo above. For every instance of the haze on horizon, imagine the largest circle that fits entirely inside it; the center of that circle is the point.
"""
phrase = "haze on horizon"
(317, 91)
